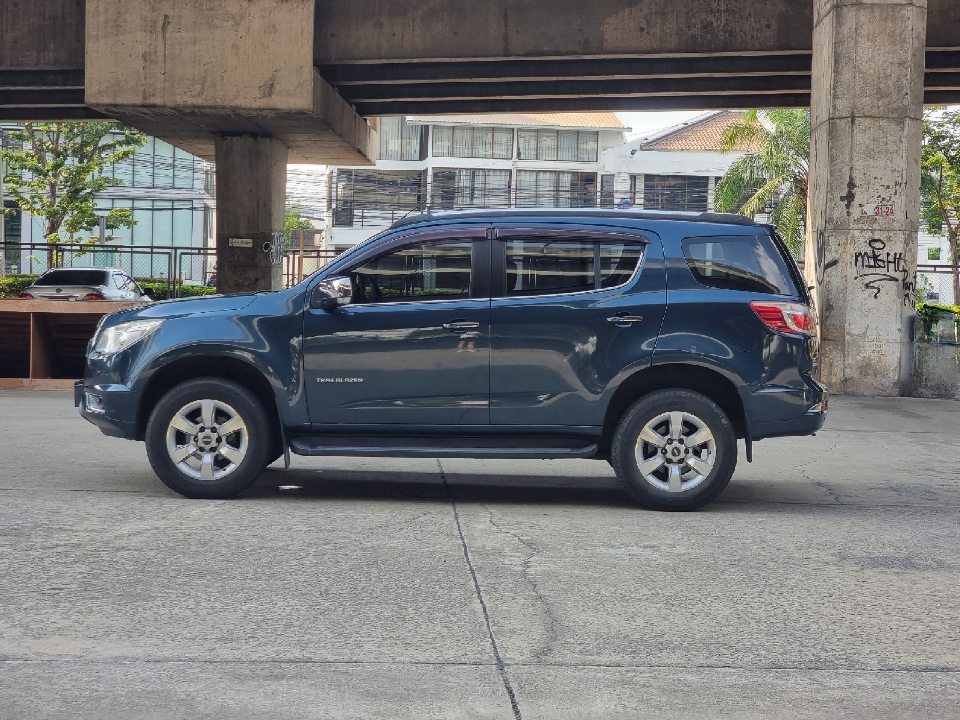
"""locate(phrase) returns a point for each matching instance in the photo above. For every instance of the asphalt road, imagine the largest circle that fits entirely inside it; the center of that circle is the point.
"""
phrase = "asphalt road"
(824, 583)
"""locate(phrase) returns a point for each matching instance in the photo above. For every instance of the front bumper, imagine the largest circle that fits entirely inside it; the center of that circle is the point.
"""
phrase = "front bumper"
(112, 408)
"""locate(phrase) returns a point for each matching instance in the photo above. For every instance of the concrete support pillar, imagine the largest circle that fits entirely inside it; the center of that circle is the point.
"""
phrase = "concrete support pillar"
(251, 189)
(861, 250)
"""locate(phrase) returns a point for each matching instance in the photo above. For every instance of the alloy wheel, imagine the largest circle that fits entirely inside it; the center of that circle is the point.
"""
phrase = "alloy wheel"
(207, 439)
(676, 451)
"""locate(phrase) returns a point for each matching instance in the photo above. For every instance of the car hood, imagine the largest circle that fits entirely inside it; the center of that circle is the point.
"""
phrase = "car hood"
(187, 306)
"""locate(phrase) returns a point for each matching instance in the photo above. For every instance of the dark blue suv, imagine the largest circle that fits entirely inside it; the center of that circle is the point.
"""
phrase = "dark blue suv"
(651, 340)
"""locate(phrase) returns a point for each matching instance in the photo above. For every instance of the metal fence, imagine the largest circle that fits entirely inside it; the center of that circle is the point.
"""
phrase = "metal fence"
(935, 283)
(172, 266)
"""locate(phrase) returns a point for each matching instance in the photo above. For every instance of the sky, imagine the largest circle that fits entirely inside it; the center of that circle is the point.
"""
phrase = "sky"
(644, 123)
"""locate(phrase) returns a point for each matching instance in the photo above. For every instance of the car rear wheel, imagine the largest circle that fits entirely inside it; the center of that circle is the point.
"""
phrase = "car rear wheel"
(674, 450)
(208, 438)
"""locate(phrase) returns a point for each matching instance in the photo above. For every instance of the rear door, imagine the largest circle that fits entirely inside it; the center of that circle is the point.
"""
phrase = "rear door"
(572, 308)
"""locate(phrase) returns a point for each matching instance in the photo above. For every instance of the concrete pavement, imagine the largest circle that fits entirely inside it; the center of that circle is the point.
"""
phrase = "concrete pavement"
(823, 583)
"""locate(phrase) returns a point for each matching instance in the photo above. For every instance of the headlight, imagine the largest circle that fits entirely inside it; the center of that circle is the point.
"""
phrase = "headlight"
(117, 338)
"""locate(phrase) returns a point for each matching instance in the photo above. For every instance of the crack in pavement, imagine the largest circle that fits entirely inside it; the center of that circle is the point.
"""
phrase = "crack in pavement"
(551, 620)
(500, 665)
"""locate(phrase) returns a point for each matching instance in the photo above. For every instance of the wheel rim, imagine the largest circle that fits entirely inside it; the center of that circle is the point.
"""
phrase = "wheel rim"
(207, 440)
(676, 451)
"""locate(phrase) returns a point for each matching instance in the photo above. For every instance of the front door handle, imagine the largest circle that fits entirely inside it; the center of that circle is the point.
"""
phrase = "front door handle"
(461, 326)
(624, 320)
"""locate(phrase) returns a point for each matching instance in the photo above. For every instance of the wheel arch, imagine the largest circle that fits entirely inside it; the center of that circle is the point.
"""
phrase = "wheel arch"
(684, 376)
(178, 370)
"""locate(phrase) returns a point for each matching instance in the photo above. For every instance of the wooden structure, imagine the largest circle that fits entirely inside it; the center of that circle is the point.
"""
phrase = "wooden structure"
(43, 343)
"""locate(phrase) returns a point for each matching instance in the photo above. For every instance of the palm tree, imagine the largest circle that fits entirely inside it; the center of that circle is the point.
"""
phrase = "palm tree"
(774, 175)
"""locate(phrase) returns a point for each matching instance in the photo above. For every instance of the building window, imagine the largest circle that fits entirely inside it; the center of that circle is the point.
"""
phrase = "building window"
(674, 192)
(400, 141)
(473, 142)
(549, 188)
(458, 188)
(933, 253)
(559, 145)
(606, 191)
(362, 196)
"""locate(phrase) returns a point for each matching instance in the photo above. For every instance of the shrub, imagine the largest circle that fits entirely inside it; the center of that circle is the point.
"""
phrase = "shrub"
(13, 285)
(161, 291)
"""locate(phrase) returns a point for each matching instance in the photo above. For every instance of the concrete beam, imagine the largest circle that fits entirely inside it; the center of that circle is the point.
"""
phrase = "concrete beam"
(383, 31)
(187, 71)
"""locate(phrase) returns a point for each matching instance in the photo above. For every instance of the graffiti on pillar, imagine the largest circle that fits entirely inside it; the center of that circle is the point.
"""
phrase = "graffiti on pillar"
(877, 266)
(820, 265)
(275, 248)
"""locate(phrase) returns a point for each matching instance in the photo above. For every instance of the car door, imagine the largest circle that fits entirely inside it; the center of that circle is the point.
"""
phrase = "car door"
(413, 346)
(572, 309)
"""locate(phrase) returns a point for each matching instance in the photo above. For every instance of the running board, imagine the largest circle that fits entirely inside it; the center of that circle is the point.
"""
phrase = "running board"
(478, 447)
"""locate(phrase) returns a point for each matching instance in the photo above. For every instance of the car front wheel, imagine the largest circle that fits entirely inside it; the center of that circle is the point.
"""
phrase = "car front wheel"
(674, 450)
(208, 438)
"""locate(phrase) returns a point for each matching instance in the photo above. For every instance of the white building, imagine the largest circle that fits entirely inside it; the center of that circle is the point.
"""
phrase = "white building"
(467, 161)
(675, 168)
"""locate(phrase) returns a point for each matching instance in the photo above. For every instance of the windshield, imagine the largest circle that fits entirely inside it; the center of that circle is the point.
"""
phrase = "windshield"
(73, 277)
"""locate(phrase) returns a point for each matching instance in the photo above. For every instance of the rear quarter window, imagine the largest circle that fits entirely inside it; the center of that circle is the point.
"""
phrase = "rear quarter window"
(750, 263)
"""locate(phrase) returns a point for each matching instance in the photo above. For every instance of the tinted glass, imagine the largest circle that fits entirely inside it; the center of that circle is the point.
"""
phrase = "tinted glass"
(541, 267)
(427, 271)
(618, 262)
(739, 262)
(73, 277)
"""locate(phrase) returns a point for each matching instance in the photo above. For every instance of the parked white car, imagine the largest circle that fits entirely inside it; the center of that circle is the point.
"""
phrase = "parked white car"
(85, 284)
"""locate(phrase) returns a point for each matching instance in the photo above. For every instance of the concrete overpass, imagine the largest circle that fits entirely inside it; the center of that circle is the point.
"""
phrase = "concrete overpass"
(253, 83)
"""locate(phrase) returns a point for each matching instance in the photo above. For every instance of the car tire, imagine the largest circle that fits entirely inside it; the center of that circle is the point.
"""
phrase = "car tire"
(674, 450)
(208, 438)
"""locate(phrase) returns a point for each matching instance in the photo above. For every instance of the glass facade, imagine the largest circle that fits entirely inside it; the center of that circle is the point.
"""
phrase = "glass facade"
(458, 188)
(558, 145)
(550, 188)
(673, 192)
(376, 195)
(473, 142)
(400, 141)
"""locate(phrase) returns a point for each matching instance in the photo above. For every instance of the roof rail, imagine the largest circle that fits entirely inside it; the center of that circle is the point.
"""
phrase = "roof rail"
(728, 218)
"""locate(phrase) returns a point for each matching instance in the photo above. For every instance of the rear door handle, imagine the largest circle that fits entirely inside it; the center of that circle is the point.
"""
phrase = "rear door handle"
(624, 319)
(461, 326)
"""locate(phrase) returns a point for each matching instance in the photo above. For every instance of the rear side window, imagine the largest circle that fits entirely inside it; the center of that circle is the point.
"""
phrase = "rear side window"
(73, 277)
(739, 262)
(548, 267)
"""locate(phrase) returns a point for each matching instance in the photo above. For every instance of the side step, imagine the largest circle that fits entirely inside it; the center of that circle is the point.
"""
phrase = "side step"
(444, 447)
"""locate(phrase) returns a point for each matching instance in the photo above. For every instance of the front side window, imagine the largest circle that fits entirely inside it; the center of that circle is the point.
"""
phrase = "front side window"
(425, 271)
(739, 262)
(548, 267)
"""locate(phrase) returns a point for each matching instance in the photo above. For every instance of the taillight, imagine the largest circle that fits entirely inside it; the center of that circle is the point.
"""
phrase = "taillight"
(94, 296)
(24, 296)
(786, 317)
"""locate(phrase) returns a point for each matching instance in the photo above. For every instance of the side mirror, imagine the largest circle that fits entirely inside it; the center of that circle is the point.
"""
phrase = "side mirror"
(331, 293)
(150, 293)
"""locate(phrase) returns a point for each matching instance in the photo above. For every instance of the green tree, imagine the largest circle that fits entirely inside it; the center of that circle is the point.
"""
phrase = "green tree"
(55, 170)
(940, 182)
(292, 221)
(774, 174)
